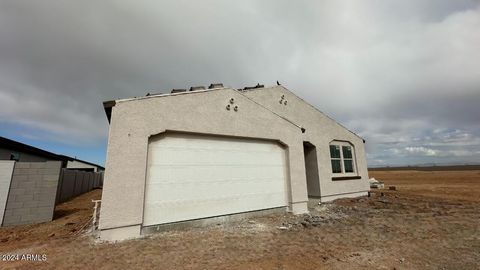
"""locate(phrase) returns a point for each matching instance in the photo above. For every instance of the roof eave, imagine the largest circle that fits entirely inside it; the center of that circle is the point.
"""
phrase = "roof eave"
(107, 106)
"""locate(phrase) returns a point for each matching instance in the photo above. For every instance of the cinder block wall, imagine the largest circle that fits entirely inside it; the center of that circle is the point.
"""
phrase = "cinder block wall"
(32, 194)
(6, 170)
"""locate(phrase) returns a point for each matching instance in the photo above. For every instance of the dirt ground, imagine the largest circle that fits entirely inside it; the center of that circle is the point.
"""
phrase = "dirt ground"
(432, 221)
(455, 185)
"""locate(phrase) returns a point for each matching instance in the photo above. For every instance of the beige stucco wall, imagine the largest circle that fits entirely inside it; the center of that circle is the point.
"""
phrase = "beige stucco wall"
(134, 121)
(6, 171)
(320, 131)
(75, 164)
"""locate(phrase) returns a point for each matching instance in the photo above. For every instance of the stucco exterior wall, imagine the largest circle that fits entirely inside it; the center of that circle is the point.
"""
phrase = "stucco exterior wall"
(320, 130)
(75, 164)
(134, 121)
(6, 170)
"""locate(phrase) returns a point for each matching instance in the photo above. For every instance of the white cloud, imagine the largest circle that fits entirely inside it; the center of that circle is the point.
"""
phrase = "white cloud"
(421, 150)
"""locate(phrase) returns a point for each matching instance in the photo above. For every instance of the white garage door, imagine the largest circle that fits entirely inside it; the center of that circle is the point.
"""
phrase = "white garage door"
(196, 176)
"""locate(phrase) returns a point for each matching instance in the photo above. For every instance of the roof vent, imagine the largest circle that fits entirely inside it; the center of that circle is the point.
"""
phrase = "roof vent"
(215, 85)
(195, 88)
(254, 87)
(153, 94)
(178, 90)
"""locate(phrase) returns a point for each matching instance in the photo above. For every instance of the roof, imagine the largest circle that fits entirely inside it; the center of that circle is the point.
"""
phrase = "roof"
(25, 148)
(108, 105)
(18, 146)
(324, 114)
(213, 87)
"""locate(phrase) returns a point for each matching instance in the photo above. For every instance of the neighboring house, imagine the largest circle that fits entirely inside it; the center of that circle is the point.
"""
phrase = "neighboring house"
(216, 152)
(81, 165)
(33, 181)
(17, 151)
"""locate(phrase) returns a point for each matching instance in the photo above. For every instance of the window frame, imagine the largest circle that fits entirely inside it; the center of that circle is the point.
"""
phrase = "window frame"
(343, 174)
(336, 158)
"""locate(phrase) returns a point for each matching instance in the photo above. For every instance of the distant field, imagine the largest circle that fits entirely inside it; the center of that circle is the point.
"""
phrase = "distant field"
(429, 168)
(452, 184)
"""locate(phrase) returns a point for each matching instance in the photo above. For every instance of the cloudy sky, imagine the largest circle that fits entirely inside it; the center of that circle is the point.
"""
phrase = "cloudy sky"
(405, 75)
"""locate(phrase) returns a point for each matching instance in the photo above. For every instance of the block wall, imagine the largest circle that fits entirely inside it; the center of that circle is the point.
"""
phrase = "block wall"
(74, 183)
(32, 194)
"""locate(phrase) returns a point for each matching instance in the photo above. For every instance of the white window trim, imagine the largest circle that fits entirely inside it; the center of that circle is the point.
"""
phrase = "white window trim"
(342, 164)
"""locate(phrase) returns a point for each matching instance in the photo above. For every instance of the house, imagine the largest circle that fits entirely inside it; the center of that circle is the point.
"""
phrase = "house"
(13, 150)
(33, 181)
(193, 156)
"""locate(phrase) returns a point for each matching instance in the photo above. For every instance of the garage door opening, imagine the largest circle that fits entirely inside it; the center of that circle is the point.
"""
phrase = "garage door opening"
(192, 176)
(311, 169)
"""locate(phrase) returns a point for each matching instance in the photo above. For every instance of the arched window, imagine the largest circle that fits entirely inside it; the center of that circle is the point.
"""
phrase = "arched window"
(342, 155)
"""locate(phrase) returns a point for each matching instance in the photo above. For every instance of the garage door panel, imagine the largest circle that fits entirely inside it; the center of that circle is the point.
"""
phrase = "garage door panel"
(184, 173)
(199, 142)
(191, 177)
(179, 210)
(200, 190)
(213, 158)
(231, 182)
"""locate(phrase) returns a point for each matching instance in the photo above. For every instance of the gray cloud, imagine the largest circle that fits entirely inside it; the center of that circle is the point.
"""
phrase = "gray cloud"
(403, 74)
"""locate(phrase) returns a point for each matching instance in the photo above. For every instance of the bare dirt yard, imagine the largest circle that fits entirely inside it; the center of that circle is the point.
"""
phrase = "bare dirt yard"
(432, 221)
